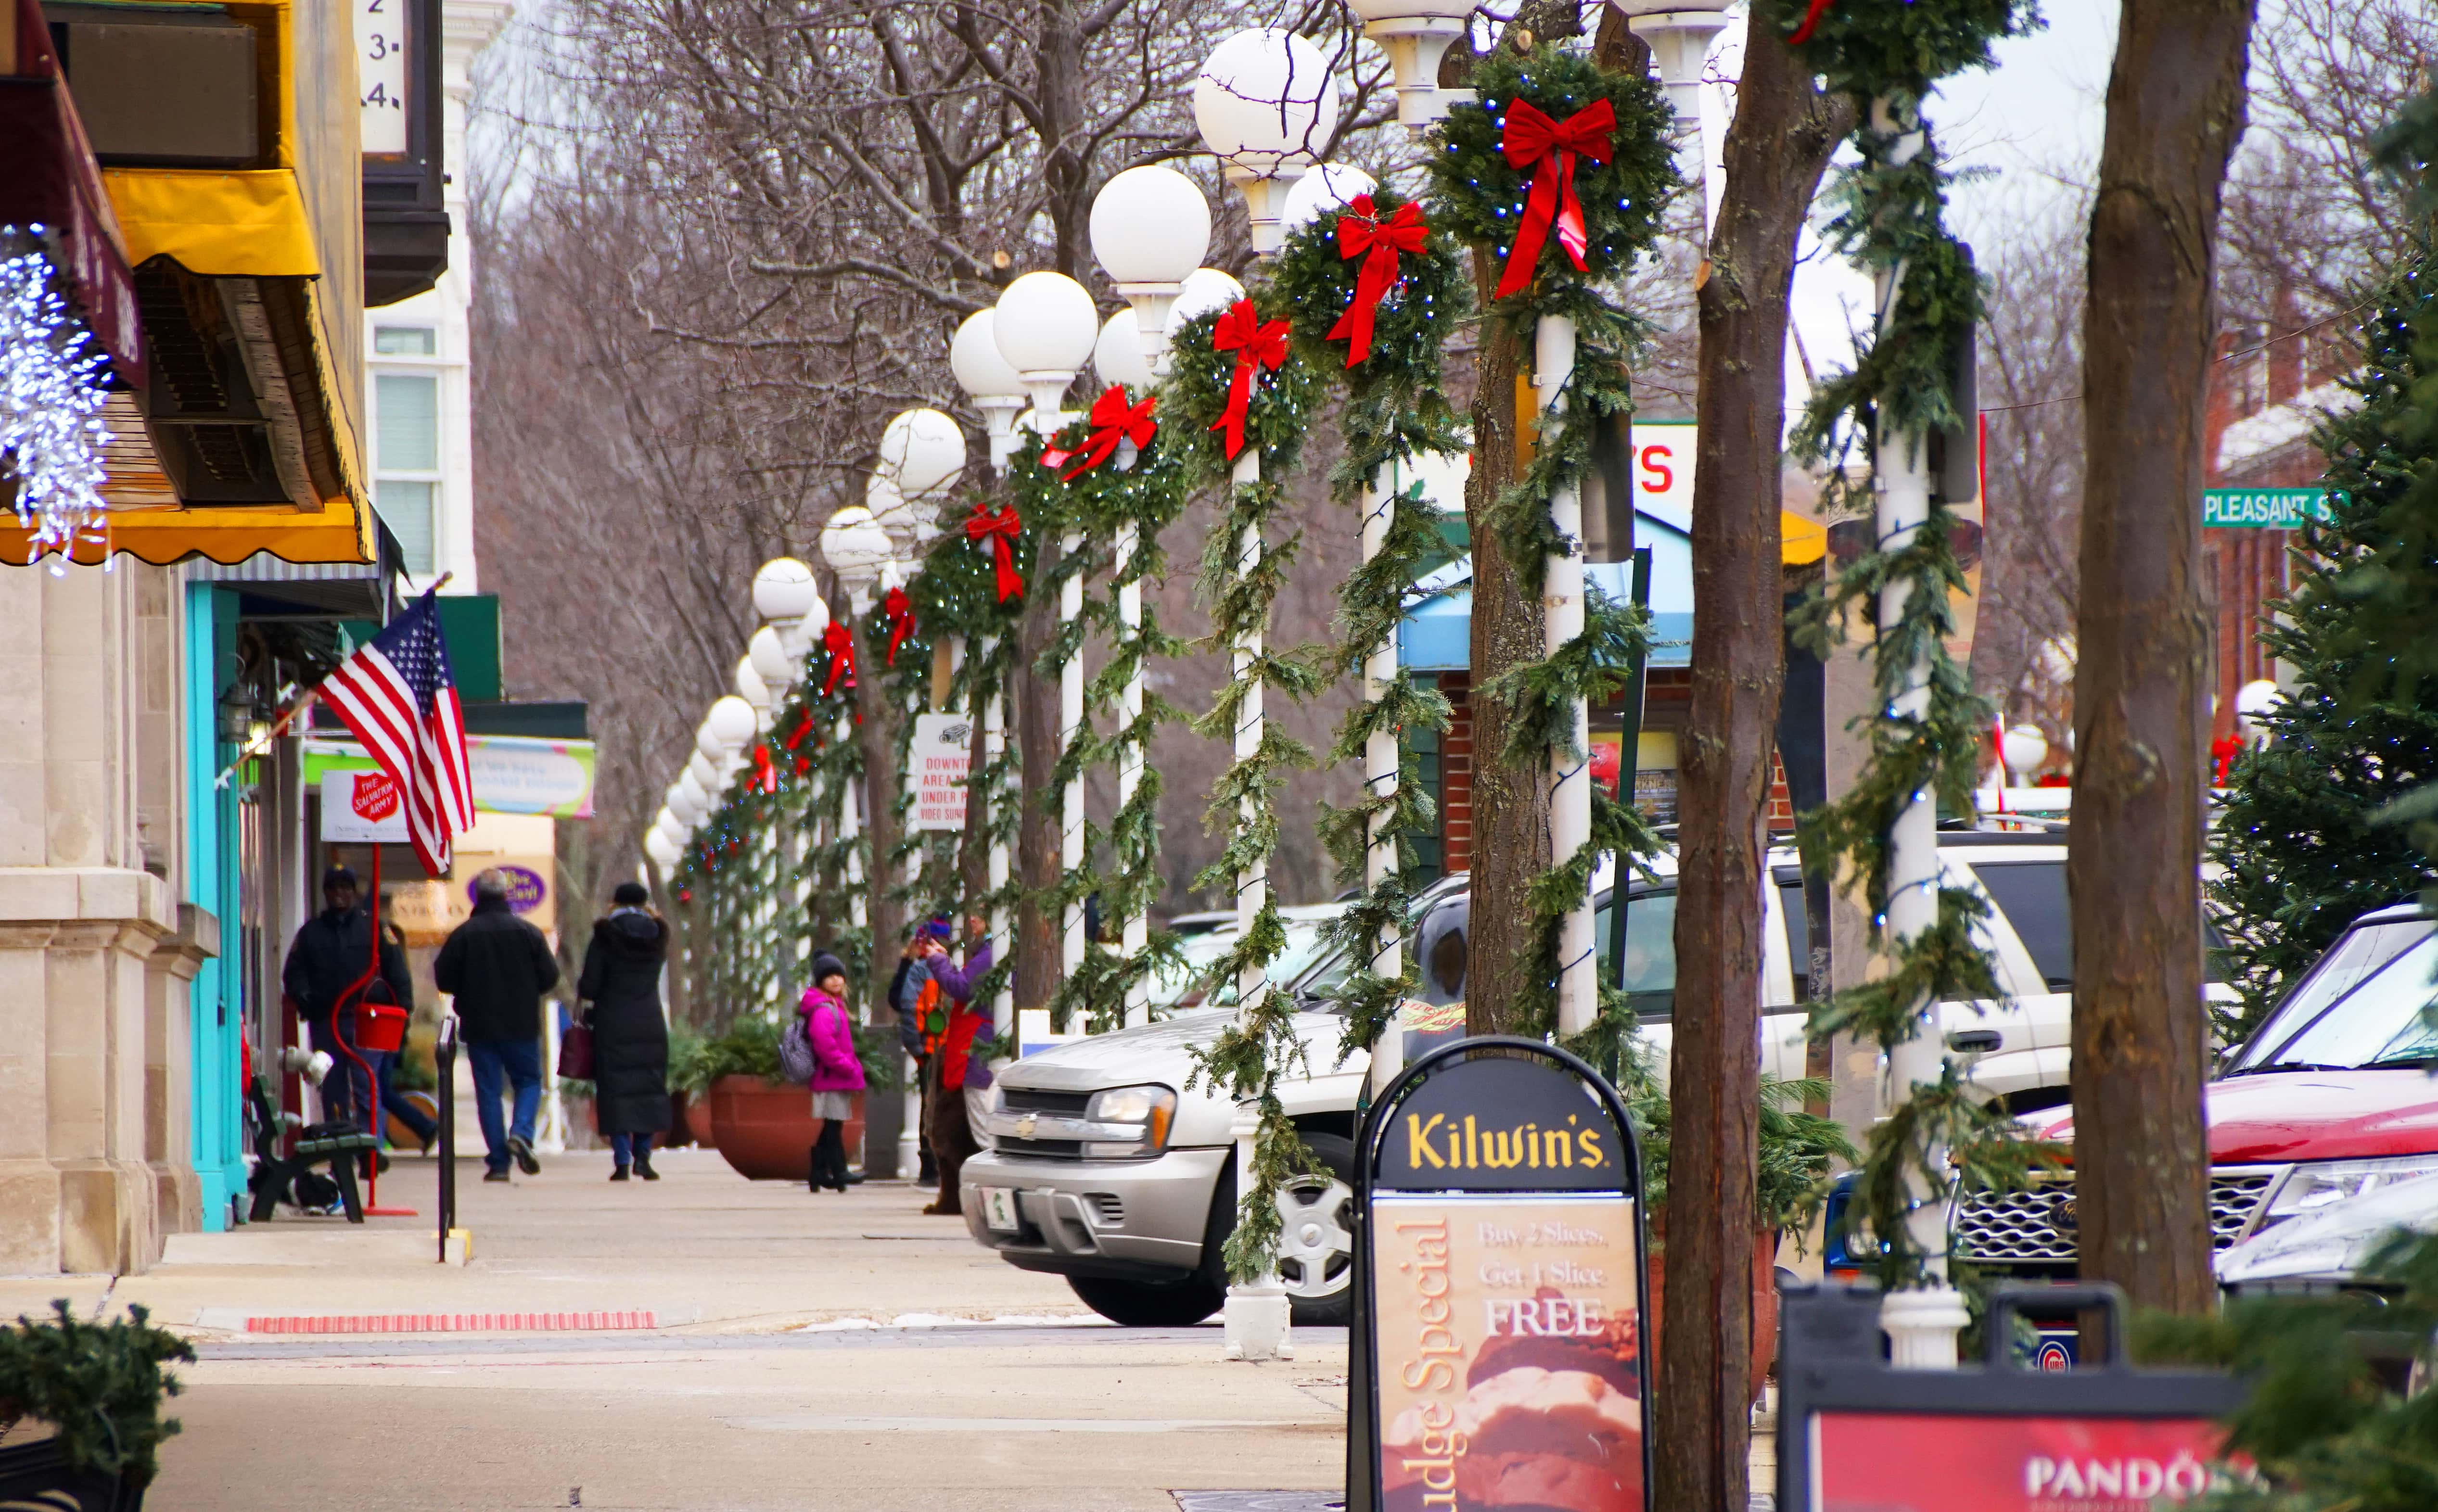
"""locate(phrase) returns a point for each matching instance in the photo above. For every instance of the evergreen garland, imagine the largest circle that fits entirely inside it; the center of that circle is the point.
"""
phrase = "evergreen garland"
(1480, 198)
(1248, 1058)
(2302, 841)
(1890, 54)
(98, 1385)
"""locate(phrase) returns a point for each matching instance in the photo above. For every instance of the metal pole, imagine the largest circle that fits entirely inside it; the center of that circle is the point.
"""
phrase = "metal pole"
(1137, 928)
(1380, 778)
(1570, 775)
(444, 1053)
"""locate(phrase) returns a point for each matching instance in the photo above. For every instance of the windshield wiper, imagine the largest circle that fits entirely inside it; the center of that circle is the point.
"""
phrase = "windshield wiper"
(2291, 1066)
(2400, 1063)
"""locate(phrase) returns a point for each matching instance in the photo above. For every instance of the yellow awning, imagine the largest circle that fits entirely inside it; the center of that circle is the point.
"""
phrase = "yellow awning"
(227, 534)
(222, 225)
(1801, 542)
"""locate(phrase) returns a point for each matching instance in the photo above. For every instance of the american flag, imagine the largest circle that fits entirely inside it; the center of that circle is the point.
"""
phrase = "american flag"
(395, 693)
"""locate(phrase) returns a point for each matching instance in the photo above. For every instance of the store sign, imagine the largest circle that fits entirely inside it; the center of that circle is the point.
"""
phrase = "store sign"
(513, 774)
(380, 74)
(1500, 1249)
(362, 808)
(1664, 452)
(940, 758)
(2266, 508)
(1933, 1462)
(427, 911)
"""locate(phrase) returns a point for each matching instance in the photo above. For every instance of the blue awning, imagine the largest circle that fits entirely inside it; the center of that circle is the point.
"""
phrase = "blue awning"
(1437, 635)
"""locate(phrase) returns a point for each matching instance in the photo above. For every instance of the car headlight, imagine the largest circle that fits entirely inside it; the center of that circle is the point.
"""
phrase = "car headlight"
(2316, 1183)
(1140, 1115)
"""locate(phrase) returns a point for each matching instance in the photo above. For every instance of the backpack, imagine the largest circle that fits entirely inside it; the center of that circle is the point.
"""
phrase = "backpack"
(796, 1058)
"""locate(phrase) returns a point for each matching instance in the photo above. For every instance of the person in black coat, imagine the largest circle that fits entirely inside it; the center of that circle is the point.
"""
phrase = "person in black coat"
(328, 955)
(630, 1037)
(499, 965)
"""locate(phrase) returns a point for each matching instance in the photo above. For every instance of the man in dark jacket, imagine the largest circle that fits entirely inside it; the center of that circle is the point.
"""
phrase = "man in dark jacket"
(328, 958)
(498, 965)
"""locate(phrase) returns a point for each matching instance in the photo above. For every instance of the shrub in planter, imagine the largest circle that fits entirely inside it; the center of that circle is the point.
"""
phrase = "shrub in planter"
(99, 1386)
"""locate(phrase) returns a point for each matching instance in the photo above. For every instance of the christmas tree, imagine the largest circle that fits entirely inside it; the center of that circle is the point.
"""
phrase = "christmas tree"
(2305, 846)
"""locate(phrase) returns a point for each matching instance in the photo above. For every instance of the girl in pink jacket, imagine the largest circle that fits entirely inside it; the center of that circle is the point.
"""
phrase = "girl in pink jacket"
(837, 1071)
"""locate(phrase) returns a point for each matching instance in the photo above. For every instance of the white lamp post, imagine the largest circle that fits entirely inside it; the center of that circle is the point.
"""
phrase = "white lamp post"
(665, 852)
(858, 550)
(1680, 33)
(922, 455)
(2024, 748)
(731, 725)
(783, 588)
(1415, 35)
(2253, 702)
(993, 384)
(1327, 186)
(768, 657)
(1150, 228)
(1266, 104)
(1047, 328)
(751, 688)
(696, 792)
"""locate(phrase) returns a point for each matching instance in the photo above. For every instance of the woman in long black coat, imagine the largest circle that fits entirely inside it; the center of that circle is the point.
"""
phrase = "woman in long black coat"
(630, 1038)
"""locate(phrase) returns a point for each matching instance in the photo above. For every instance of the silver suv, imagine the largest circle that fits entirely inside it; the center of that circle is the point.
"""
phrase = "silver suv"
(1107, 1169)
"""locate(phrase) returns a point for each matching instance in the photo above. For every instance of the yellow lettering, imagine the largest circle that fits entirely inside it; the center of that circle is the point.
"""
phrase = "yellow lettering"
(1503, 1150)
(1532, 1145)
(1428, 1374)
(1589, 1141)
(1471, 1159)
(1418, 1142)
(1557, 1148)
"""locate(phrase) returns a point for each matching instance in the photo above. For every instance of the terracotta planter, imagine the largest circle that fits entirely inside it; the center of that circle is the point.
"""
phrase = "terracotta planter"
(1764, 1304)
(766, 1133)
(697, 1119)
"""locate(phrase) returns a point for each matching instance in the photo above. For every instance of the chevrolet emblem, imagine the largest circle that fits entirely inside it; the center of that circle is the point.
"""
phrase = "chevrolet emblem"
(1024, 1127)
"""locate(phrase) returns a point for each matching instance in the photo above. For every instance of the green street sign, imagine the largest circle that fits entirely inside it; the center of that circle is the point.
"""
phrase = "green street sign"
(2264, 508)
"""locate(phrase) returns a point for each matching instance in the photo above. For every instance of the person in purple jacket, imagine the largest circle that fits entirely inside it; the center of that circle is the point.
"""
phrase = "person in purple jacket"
(837, 1071)
(951, 1066)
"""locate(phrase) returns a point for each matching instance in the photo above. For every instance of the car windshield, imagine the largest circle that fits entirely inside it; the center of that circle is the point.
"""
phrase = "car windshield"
(2368, 1003)
(1306, 939)
(1171, 986)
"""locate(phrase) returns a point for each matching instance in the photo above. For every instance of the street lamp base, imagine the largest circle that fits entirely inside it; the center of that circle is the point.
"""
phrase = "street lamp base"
(1255, 1324)
(1921, 1327)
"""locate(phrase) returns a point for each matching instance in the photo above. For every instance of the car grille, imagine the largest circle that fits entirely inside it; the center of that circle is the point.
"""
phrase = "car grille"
(2023, 1227)
(1109, 1206)
(1020, 1101)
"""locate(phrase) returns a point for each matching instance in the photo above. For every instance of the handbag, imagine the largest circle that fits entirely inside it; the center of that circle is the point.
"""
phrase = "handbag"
(575, 1053)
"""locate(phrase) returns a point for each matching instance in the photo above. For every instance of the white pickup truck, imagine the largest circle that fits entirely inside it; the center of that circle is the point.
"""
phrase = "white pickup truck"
(1105, 1168)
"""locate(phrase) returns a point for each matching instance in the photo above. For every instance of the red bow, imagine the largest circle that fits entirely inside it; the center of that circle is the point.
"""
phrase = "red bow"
(765, 779)
(1535, 143)
(1810, 20)
(1110, 422)
(1000, 529)
(900, 612)
(1360, 234)
(839, 643)
(1256, 347)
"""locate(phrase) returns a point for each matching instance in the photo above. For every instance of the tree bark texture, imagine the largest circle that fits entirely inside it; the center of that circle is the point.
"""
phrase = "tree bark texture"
(877, 734)
(2175, 110)
(1781, 138)
(1033, 711)
(1511, 799)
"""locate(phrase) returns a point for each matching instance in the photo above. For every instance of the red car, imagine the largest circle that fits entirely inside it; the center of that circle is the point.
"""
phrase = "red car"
(2331, 1099)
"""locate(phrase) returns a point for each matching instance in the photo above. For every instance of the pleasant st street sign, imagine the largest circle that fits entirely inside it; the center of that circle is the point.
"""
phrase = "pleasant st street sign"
(2264, 508)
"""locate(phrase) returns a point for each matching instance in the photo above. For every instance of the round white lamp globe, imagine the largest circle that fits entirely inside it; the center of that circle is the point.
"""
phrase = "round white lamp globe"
(1045, 328)
(670, 825)
(1207, 291)
(2024, 748)
(922, 451)
(974, 358)
(800, 637)
(664, 851)
(777, 670)
(748, 683)
(1330, 187)
(697, 789)
(783, 589)
(731, 723)
(854, 545)
(1266, 98)
(1117, 356)
(2252, 703)
(1150, 225)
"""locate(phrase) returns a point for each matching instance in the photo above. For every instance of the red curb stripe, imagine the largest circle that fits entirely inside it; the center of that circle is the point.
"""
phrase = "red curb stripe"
(590, 1322)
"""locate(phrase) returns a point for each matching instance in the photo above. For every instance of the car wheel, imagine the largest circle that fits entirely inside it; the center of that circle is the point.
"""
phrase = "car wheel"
(1150, 1304)
(1316, 1237)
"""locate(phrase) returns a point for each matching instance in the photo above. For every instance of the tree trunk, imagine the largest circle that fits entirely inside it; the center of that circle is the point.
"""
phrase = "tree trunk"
(2175, 110)
(877, 735)
(1033, 709)
(1510, 802)
(1781, 139)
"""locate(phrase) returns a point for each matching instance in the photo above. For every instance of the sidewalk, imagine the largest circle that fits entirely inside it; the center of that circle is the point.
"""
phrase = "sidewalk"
(841, 1352)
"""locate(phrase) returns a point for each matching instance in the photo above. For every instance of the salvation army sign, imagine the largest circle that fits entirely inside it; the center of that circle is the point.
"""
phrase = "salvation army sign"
(1500, 1282)
(361, 808)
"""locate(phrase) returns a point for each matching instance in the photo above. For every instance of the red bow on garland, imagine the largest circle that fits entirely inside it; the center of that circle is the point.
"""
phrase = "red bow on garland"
(999, 530)
(899, 609)
(1256, 347)
(1362, 233)
(839, 643)
(1111, 421)
(765, 779)
(1546, 148)
(1810, 20)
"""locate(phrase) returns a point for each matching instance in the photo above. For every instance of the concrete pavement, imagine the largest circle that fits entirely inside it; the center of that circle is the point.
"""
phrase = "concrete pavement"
(839, 1351)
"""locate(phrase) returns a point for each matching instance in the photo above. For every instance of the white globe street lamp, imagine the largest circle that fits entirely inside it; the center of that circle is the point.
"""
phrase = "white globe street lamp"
(888, 507)
(798, 637)
(922, 452)
(1266, 104)
(1415, 35)
(2253, 702)
(698, 786)
(1151, 227)
(1117, 356)
(783, 588)
(731, 723)
(989, 380)
(707, 743)
(1206, 292)
(673, 798)
(750, 687)
(665, 852)
(1045, 328)
(2024, 748)
(1329, 187)
(855, 546)
(770, 661)
(667, 824)
(1680, 33)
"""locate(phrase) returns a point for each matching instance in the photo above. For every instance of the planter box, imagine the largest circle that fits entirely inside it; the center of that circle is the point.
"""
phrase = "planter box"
(698, 1119)
(38, 1474)
(766, 1133)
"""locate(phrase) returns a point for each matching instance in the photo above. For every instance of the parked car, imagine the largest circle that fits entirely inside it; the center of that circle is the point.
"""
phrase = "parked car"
(1111, 1170)
(2332, 1099)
